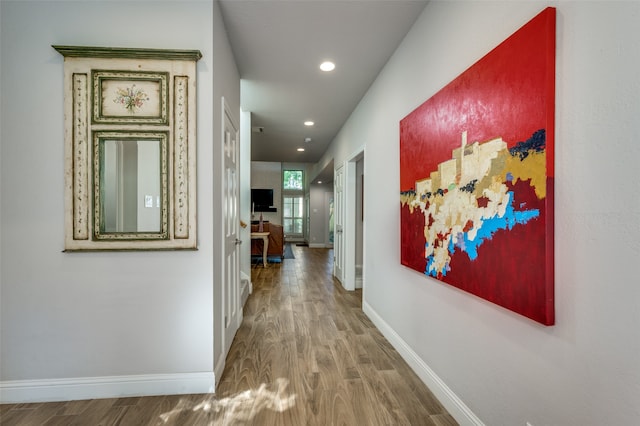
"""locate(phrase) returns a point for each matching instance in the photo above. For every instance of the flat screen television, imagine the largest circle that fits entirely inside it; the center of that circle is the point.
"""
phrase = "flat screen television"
(261, 199)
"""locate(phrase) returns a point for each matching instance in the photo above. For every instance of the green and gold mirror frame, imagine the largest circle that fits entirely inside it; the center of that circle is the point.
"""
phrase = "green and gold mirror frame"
(130, 148)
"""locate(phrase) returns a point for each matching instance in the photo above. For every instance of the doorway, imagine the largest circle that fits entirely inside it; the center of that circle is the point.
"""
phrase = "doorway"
(350, 216)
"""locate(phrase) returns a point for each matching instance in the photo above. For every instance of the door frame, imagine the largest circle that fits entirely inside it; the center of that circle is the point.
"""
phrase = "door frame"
(338, 225)
(349, 209)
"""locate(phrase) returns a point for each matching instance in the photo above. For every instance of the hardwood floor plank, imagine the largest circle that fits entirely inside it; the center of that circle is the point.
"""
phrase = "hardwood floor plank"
(358, 352)
(317, 407)
(326, 367)
(361, 404)
(341, 408)
(164, 410)
(72, 408)
(381, 396)
(410, 406)
(142, 411)
(285, 363)
(6, 407)
(377, 356)
(344, 361)
(43, 413)
(94, 412)
(58, 420)
(444, 420)
(113, 416)
(12, 417)
(300, 321)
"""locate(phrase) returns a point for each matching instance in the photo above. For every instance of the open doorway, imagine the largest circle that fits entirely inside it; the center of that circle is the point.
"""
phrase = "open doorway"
(351, 217)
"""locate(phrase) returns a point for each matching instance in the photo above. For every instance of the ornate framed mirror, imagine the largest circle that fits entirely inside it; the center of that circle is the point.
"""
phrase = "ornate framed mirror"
(130, 148)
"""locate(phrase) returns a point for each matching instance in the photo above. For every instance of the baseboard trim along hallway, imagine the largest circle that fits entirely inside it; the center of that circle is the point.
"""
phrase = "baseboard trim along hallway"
(454, 405)
(19, 391)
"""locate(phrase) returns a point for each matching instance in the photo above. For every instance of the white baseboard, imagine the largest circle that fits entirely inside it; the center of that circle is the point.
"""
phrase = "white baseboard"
(454, 405)
(218, 369)
(359, 277)
(293, 240)
(246, 288)
(359, 282)
(19, 391)
(320, 245)
(243, 277)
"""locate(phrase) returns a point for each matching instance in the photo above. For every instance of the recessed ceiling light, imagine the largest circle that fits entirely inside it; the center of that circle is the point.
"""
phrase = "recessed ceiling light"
(327, 66)
(309, 123)
(319, 181)
(300, 149)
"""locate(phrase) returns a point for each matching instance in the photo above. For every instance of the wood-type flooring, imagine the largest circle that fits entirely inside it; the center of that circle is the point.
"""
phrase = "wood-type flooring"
(305, 354)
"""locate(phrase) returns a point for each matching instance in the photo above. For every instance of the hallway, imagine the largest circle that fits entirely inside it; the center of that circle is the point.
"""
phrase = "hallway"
(306, 344)
(305, 354)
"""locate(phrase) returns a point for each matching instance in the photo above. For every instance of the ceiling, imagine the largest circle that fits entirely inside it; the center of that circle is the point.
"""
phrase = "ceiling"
(278, 47)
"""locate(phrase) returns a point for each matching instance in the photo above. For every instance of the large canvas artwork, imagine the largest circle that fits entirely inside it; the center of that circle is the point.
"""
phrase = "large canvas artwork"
(476, 176)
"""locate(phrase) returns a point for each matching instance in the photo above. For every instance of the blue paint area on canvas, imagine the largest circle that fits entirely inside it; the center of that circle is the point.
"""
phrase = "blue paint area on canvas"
(494, 224)
(485, 232)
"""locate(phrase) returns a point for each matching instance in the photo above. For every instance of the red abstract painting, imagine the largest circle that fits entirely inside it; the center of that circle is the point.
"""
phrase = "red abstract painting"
(476, 176)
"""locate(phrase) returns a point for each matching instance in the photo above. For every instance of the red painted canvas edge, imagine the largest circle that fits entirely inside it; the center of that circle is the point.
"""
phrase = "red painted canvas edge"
(550, 15)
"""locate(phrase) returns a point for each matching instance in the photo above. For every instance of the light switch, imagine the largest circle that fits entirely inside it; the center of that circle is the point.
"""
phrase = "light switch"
(148, 200)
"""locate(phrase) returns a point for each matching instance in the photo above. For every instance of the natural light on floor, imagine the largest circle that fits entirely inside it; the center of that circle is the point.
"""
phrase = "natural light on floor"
(239, 408)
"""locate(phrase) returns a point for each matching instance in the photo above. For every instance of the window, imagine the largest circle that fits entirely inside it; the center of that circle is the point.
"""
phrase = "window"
(293, 214)
(293, 202)
(292, 180)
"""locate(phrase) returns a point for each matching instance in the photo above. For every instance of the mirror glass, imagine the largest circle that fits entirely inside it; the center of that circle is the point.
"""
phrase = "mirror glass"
(130, 189)
(131, 186)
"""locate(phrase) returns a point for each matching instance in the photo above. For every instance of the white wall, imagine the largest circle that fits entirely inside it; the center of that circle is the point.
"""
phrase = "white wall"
(504, 368)
(226, 84)
(116, 317)
(319, 214)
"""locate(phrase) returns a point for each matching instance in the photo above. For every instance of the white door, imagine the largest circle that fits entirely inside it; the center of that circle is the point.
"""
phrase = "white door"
(231, 264)
(338, 236)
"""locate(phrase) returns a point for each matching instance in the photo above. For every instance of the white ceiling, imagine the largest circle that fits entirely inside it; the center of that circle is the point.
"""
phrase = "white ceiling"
(279, 45)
